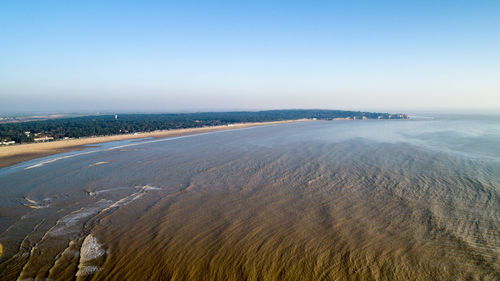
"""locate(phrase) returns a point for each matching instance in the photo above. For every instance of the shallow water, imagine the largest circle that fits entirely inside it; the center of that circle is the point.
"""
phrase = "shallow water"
(328, 200)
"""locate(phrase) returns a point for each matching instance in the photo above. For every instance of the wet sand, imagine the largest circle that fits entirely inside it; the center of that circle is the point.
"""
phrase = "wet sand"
(10, 155)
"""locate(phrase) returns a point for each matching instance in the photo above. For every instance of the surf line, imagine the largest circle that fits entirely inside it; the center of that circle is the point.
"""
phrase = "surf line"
(140, 143)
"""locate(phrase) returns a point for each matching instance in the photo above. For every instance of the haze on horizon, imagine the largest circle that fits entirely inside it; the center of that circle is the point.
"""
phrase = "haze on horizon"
(199, 55)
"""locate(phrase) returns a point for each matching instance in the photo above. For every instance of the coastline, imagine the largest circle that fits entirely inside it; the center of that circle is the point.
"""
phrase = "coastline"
(10, 155)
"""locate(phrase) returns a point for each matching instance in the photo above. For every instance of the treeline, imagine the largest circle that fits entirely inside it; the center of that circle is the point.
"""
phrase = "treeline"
(131, 123)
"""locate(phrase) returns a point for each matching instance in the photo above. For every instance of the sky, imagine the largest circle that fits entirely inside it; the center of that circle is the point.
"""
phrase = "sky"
(166, 56)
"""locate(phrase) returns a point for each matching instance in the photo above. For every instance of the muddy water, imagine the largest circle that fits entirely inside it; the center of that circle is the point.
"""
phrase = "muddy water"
(367, 200)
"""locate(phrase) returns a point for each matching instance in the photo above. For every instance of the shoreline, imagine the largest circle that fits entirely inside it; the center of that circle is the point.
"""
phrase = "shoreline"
(11, 155)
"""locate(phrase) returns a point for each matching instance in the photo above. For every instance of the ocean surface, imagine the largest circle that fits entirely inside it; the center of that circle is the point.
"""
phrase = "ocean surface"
(414, 199)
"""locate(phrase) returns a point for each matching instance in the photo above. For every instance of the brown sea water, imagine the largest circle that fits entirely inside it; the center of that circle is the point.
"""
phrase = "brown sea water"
(327, 200)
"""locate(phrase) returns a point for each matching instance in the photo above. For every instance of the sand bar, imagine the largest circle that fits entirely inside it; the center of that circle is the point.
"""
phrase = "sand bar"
(10, 155)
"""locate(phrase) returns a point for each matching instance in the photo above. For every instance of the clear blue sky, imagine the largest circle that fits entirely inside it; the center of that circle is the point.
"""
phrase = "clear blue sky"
(198, 55)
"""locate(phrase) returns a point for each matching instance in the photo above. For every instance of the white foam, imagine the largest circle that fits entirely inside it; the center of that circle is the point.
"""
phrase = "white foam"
(87, 270)
(126, 200)
(94, 193)
(72, 219)
(148, 187)
(91, 249)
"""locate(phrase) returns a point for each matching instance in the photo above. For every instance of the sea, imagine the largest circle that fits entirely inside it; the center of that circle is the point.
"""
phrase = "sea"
(415, 199)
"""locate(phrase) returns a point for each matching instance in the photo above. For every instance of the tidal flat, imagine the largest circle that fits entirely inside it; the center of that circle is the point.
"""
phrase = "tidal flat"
(414, 199)
(14, 154)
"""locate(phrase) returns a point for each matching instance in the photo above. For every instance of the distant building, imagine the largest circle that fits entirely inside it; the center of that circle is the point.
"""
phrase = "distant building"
(43, 138)
(116, 116)
(6, 142)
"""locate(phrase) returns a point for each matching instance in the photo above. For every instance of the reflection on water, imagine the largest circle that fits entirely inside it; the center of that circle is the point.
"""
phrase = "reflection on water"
(339, 200)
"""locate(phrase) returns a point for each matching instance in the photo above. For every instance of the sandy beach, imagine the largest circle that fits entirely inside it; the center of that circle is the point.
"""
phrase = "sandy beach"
(10, 155)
